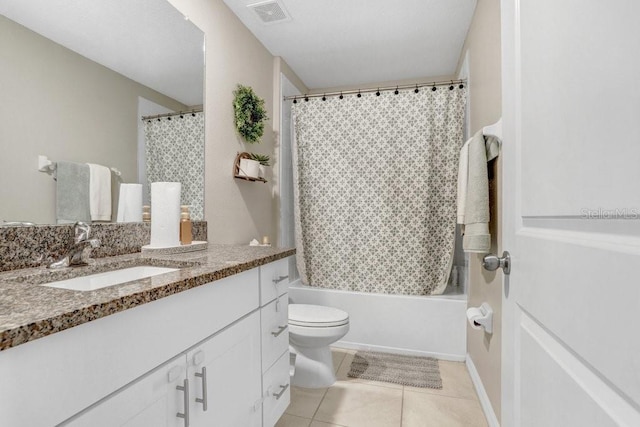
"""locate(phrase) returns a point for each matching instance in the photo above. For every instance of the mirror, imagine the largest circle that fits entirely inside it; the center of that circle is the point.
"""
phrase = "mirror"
(75, 79)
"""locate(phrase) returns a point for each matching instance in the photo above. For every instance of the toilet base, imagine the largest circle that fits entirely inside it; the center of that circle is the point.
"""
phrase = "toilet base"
(313, 367)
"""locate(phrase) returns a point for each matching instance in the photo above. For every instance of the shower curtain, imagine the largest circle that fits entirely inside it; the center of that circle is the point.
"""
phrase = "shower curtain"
(174, 152)
(375, 189)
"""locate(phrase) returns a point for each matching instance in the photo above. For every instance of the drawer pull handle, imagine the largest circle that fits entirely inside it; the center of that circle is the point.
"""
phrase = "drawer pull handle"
(280, 330)
(184, 388)
(203, 375)
(279, 395)
(280, 279)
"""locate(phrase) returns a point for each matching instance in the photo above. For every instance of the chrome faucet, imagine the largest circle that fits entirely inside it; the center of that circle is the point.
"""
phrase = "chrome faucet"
(80, 252)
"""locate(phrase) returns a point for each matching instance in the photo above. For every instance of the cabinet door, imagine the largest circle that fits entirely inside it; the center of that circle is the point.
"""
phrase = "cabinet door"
(152, 400)
(225, 378)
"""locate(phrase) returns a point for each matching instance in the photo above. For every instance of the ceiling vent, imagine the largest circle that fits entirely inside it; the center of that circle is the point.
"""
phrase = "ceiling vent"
(270, 12)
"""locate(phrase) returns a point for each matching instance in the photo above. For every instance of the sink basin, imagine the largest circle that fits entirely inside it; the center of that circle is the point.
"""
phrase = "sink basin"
(99, 275)
(109, 278)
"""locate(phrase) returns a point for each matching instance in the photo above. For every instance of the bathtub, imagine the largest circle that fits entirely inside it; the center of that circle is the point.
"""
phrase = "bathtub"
(417, 325)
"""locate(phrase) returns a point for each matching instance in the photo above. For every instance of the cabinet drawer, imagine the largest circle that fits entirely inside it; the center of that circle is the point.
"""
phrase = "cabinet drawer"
(275, 332)
(277, 391)
(274, 280)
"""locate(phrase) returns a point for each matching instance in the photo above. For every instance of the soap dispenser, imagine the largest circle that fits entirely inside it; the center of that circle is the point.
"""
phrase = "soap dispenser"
(186, 236)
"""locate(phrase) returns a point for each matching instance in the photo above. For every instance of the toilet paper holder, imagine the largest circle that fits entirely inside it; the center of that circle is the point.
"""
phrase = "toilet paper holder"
(481, 317)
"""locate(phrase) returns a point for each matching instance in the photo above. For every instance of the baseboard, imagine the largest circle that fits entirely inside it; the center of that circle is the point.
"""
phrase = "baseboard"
(492, 420)
(385, 349)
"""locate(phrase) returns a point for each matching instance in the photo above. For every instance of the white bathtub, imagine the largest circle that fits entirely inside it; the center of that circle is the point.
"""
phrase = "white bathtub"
(420, 325)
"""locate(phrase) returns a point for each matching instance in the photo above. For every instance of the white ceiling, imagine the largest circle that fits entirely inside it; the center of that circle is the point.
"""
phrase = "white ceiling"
(148, 41)
(331, 43)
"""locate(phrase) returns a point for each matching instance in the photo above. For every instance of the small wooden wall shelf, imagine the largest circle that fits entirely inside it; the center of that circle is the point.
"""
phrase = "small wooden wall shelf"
(236, 169)
(250, 178)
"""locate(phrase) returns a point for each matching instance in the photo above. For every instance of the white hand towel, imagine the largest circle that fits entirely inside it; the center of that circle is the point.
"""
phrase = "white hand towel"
(130, 203)
(463, 180)
(99, 192)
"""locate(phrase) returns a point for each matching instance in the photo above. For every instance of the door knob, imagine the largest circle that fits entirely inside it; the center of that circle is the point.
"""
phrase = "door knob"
(493, 262)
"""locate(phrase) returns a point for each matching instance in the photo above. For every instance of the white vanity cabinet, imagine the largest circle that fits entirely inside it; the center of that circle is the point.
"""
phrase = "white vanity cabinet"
(274, 316)
(226, 341)
(216, 383)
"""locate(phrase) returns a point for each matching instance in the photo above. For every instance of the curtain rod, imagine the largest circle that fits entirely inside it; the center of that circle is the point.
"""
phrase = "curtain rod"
(377, 90)
(179, 113)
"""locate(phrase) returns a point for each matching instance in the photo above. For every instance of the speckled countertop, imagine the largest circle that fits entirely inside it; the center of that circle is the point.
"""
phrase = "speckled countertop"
(29, 311)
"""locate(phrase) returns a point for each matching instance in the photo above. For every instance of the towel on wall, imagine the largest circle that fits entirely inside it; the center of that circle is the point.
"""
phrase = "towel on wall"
(99, 192)
(72, 192)
(473, 191)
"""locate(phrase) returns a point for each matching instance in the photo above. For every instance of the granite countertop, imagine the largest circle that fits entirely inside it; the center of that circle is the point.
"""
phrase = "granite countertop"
(29, 311)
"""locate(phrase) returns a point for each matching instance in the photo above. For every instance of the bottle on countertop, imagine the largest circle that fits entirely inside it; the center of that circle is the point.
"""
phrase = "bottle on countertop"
(146, 213)
(186, 236)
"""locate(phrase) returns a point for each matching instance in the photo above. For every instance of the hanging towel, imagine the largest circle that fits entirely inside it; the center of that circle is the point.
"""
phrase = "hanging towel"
(72, 192)
(473, 191)
(130, 203)
(99, 192)
(463, 171)
(116, 180)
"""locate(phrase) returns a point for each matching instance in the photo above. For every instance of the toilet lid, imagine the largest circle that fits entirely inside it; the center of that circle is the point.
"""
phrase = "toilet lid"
(316, 316)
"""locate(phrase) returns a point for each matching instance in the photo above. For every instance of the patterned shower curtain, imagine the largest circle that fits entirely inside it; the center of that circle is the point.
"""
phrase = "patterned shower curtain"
(375, 190)
(175, 153)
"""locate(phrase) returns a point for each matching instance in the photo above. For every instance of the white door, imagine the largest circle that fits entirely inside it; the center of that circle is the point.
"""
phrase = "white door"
(571, 203)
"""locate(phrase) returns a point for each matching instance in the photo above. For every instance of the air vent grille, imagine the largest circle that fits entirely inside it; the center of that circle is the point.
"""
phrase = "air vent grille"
(270, 12)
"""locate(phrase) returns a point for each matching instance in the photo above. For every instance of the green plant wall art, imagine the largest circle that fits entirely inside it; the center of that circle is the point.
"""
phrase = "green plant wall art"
(250, 114)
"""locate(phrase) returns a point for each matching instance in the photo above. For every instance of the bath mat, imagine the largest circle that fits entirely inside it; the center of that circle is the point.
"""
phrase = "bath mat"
(413, 371)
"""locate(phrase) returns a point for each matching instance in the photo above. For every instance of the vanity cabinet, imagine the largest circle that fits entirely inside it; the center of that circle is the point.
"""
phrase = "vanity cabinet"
(226, 341)
(216, 383)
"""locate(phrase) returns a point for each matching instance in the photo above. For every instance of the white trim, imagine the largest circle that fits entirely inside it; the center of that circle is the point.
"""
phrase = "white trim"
(489, 414)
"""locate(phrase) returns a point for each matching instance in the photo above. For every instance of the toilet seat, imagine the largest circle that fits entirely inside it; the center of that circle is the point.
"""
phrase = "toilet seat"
(316, 316)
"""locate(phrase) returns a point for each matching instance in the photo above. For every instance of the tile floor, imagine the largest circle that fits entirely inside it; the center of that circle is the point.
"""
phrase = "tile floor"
(353, 402)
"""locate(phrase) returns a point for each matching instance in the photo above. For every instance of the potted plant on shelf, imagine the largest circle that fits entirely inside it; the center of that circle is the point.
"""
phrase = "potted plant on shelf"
(263, 160)
(250, 114)
(246, 166)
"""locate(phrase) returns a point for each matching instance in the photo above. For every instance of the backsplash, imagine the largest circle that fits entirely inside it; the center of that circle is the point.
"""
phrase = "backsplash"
(25, 247)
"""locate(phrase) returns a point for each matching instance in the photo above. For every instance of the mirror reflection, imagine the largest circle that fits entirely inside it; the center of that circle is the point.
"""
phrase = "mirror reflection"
(76, 78)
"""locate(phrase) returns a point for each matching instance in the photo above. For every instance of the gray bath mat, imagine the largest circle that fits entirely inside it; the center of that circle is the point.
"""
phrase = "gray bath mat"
(413, 371)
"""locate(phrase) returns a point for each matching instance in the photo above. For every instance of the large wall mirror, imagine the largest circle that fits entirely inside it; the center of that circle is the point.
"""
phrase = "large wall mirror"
(76, 78)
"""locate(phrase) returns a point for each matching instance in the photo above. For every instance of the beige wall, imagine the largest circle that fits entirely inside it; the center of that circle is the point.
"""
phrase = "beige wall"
(237, 211)
(482, 49)
(57, 103)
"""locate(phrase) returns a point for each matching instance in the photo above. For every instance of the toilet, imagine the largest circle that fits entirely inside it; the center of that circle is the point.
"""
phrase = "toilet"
(312, 328)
